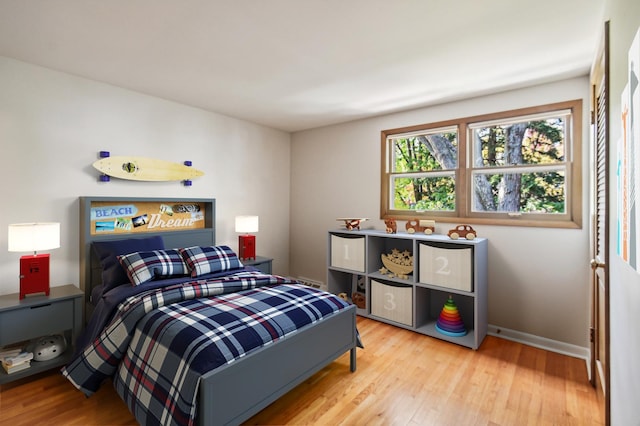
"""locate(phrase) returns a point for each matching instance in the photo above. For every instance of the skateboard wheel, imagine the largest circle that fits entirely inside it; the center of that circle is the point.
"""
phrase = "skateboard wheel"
(187, 182)
(187, 163)
(105, 178)
(104, 154)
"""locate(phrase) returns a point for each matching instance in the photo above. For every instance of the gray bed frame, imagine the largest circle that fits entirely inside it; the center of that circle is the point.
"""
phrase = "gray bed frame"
(233, 393)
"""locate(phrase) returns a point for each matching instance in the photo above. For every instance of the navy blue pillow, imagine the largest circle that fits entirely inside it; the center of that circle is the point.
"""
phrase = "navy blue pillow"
(107, 252)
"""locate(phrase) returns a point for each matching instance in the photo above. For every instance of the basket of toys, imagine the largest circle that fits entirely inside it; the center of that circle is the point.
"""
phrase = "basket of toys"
(400, 263)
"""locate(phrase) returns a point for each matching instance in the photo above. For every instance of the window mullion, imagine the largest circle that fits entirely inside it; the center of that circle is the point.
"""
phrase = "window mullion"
(463, 202)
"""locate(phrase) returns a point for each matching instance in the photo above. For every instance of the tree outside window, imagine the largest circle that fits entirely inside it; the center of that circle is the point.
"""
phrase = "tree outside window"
(424, 171)
(513, 167)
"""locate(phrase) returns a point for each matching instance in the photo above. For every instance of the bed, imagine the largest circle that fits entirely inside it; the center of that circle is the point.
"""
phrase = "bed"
(233, 338)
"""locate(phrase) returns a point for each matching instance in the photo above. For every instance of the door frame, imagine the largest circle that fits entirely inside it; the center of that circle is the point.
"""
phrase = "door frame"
(599, 213)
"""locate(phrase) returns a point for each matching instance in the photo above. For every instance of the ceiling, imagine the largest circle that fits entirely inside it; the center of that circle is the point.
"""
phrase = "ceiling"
(301, 64)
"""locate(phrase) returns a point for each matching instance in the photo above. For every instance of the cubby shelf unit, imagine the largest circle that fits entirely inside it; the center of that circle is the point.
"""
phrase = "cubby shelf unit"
(442, 267)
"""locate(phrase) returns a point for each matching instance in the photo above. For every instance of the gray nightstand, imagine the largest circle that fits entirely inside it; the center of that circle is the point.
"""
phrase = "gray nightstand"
(262, 263)
(32, 317)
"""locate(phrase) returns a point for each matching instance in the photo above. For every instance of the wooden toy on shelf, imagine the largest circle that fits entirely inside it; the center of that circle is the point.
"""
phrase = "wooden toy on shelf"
(426, 226)
(391, 226)
(352, 223)
(465, 231)
(397, 264)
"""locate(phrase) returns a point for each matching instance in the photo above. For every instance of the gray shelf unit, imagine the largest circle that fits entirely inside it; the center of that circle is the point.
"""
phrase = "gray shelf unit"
(442, 267)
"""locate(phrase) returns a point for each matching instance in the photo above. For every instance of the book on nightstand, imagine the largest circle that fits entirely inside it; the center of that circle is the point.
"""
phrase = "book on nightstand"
(17, 367)
(14, 360)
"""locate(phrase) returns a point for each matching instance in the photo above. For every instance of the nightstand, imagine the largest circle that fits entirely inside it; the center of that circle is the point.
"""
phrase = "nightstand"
(38, 316)
(261, 263)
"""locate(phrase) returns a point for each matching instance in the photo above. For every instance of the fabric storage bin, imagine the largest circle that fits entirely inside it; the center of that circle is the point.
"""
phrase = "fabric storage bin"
(392, 301)
(447, 267)
(347, 252)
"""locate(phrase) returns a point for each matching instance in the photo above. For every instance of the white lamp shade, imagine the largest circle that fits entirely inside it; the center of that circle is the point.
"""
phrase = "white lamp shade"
(246, 224)
(34, 236)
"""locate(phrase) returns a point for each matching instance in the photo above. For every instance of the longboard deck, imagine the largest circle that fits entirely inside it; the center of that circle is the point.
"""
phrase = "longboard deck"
(145, 169)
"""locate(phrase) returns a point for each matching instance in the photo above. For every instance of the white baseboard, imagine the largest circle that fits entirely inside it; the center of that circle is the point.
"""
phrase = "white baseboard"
(542, 343)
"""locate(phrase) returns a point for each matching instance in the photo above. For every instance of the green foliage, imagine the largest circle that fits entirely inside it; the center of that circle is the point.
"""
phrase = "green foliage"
(542, 143)
(424, 187)
(420, 193)
(543, 193)
(411, 155)
(424, 194)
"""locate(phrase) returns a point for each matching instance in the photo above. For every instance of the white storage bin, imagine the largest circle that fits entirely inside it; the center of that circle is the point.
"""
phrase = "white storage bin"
(446, 267)
(347, 252)
(392, 302)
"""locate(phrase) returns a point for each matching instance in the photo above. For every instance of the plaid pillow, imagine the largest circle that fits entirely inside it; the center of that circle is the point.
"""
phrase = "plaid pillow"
(144, 266)
(113, 274)
(211, 259)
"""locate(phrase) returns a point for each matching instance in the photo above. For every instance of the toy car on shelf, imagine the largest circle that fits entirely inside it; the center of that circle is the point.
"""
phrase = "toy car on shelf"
(415, 225)
(465, 231)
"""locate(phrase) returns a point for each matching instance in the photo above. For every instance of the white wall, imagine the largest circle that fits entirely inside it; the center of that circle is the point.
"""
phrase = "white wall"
(624, 16)
(538, 278)
(52, 126)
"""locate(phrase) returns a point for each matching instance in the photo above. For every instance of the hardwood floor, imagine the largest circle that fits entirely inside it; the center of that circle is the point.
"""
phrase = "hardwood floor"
(403, 378)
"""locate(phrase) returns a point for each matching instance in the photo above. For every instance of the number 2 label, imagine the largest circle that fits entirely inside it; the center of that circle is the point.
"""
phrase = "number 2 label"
(444, 265)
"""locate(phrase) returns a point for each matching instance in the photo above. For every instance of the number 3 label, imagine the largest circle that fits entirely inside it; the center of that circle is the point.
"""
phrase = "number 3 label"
(390, 303)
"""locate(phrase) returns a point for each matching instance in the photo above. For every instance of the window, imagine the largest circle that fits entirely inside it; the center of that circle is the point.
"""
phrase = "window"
(423, 168)
(518, 167)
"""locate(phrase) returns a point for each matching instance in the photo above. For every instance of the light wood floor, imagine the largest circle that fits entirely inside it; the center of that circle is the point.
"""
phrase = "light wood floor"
(403, 378)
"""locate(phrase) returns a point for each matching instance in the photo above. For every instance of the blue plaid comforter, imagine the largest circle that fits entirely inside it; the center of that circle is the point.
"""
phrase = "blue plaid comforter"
(160, 342)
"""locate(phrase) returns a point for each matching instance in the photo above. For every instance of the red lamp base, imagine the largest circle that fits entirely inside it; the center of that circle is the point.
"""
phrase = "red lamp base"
(34, 275)
(247, 247)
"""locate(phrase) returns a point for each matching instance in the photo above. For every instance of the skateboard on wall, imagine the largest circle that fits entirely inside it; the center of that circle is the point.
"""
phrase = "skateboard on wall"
(144, 169)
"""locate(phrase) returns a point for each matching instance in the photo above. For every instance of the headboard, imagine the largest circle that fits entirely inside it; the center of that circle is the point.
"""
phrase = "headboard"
(181, 222)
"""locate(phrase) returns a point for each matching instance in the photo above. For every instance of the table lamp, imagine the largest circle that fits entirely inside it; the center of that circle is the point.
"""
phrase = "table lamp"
(34, 269)
(246, 242)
